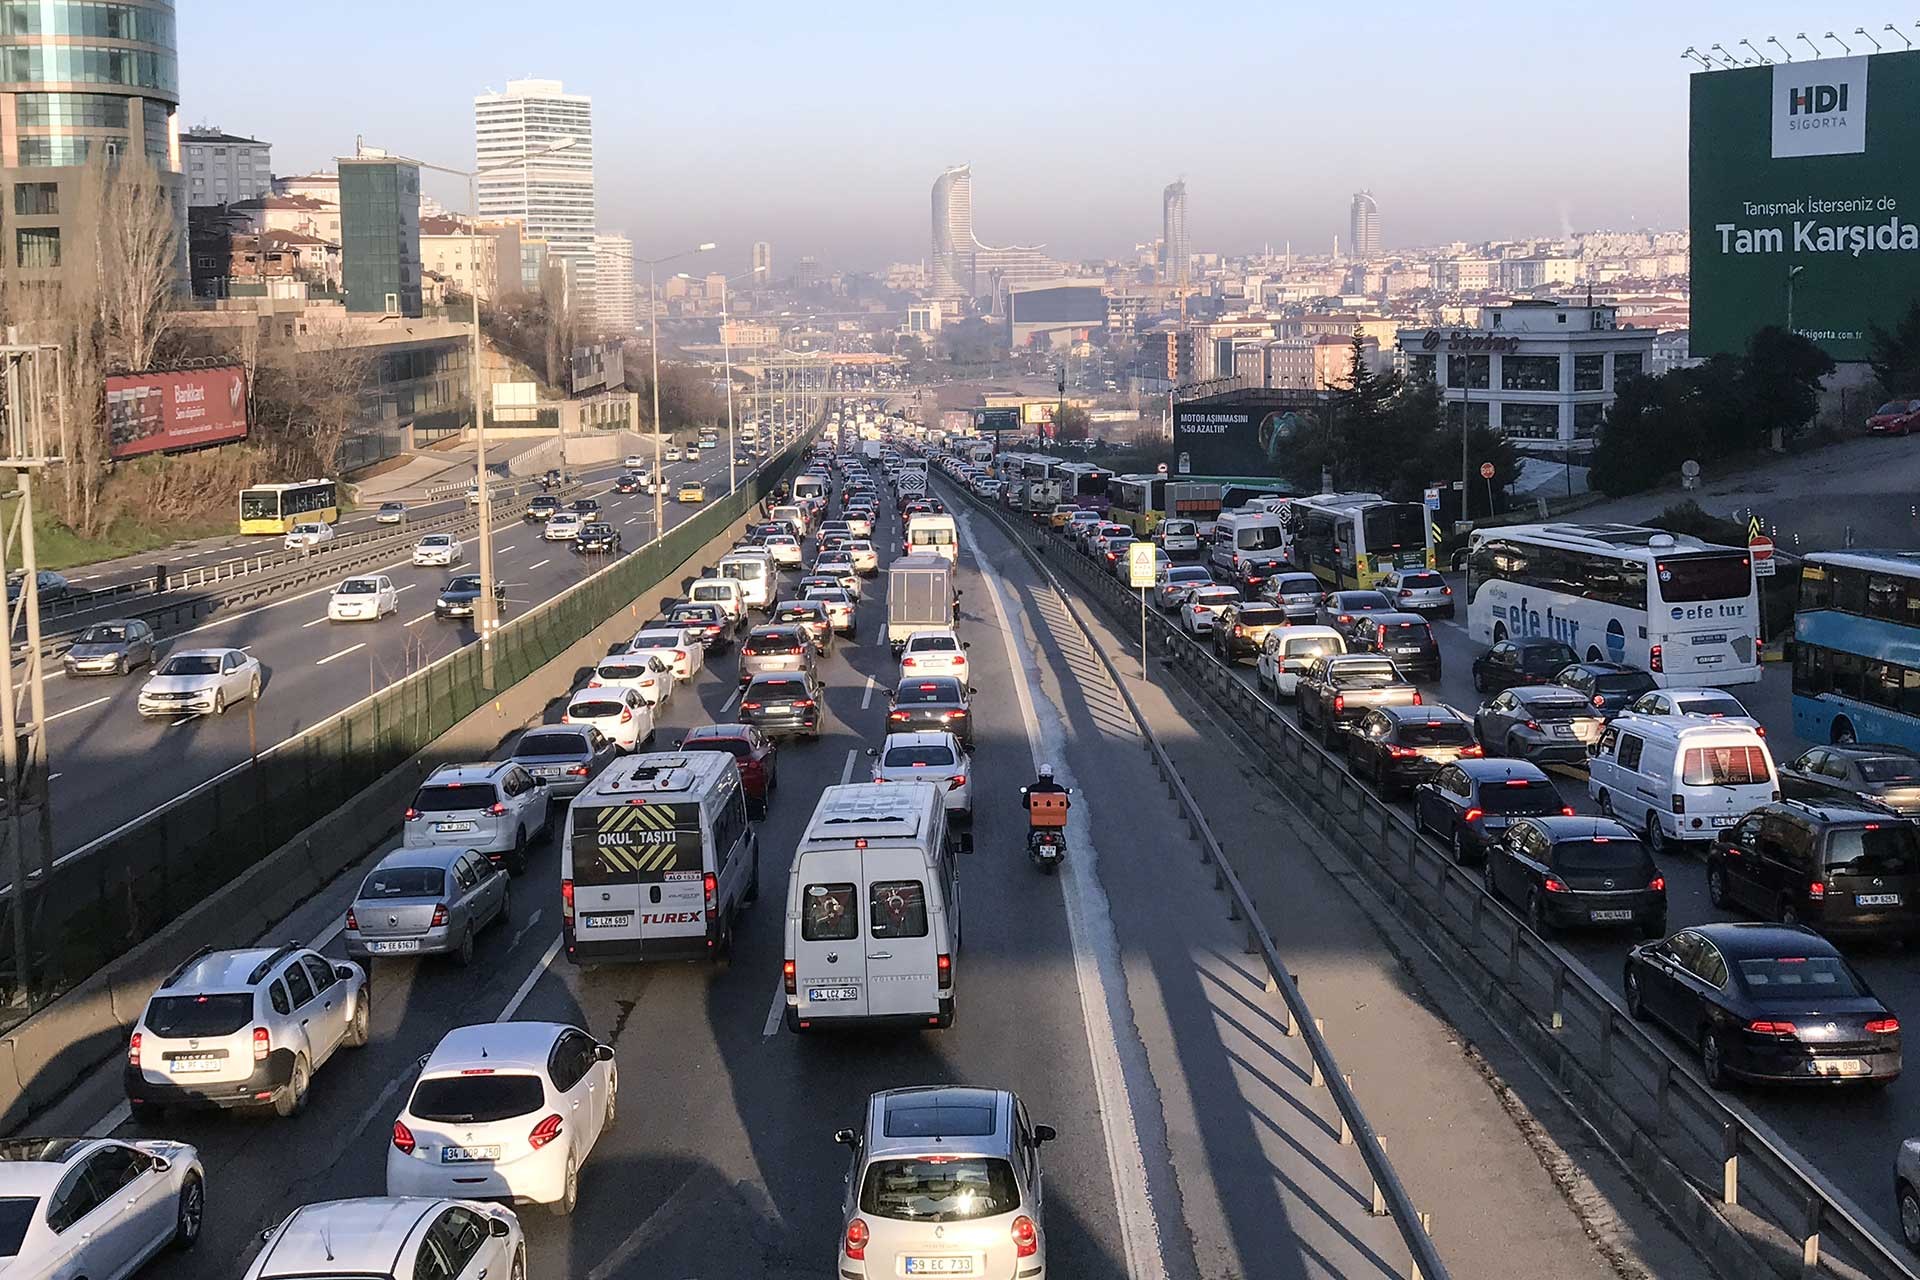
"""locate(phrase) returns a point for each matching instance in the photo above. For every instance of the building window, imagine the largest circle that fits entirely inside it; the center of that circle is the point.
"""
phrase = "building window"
(38, 246)
(36, 199)
(1530, 373)
(1587, 417)
(51, 153)
(1419, 368)
(88, 64)
(1627, 364)
(1471, 372)
(1530, 421)
(1589, 373)
(114, 21)
(78, 110)
(1476, 413)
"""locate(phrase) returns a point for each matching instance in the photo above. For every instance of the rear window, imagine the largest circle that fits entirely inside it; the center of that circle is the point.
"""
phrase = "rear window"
(898, 909)
(1428, 579)
(1529, 797)
(404, 882)
(16, 1215)
(1724, 766)
(1407, 633)
(453, 796)
(1438, 734)
(1890, 769)
(939, 1189)
(552, 744)
(1599, 856)
(1546, 659)
(623, 843)
(927, 691)
(776, 688)
(1711, 706)
(933, 644)
(594, 708)
(1556, 710)
(477, 1099)
(829, 913)
(738, 748)
(918, 757)
(621, 670)
(768, 641)
(1797, 977)
(1298, 585)
(1624, 682)
(1362, 602)
(1262, 617)
(1876, 849)
(195, 1017)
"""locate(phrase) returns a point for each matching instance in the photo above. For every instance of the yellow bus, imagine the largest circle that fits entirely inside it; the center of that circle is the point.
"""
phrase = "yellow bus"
(276, 508)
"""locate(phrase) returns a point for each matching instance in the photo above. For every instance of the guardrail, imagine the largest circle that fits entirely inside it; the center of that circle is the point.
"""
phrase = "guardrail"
(1747, 1199)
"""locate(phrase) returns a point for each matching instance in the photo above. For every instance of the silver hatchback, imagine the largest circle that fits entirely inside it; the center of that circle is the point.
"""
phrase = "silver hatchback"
(421, 902)
(1418, 591)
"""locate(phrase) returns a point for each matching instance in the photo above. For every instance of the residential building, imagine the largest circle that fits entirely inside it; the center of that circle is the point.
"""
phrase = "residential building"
(308, 215)
(222, 168)
(534, 262)
(1167, 355)
(526, 173)
(806, 273)
(1176, 252)
(1465, 274)
(1517, 275)
(1363, 226)
(380, 233)
(1056, 315)
(616, 301)
(474, 258)
(744, 335)
(923, 318)
(82, 80)
(961, 266)
(762, 263)
(323, 186)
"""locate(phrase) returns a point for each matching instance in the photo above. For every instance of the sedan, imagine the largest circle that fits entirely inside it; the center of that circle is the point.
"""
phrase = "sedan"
(1539, 723)
(707, 623)
(200, 681)
(937, 652)
(811, 617)
(540, 510)
(391, 513)
(1469, 803)
(784, 548)
(1610, 686)
(426, 902)
(1401, 747)
(839, 605)
(565, 756)
(438, 549)
(110, 648)
(366, 597)
(61, 1217)
(563, 526)
(1854, 772)
(626, 484)
(1171, 587)
(928, 756)
(839, 567)
(1203, 605)
(456, 599)
(307, 536)
(1765, 1002)
(1526, 660)
(622, 716)
(1706, 704)
(783, 703)
(1338, 609)
(938, 702)
(598, 537)
(860, 553)
(1298, 593)
(752, 750)
(1577, 871)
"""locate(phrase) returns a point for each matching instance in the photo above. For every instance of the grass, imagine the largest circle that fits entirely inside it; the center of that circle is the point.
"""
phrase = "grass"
(58, 547)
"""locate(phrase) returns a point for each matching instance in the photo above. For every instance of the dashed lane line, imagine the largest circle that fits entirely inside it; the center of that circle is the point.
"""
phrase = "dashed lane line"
(343, 653)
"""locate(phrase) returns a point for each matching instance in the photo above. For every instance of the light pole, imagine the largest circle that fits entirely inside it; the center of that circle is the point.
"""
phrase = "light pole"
(1791, 273)
(726, 351)
(653, 308)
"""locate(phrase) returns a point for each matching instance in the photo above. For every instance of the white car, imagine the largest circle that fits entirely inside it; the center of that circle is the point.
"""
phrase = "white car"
(1170, 587)
(928, 756)
(306, 536)
(673, 455)
(860, 523)
(634, 463)
(97, 1206)
(673, 646)
(860, 553)
(200, 681)
(1287, 652)
(1708, 704)
(784, 549)
(622, 716)
(1203, 605)
(646, 675)
(438, 549)
(1178, 537)
(563, 526)
(391, 1236)
(504, 1111)
(839, 602)
(838, 565)
(938, 652)
(365, 596)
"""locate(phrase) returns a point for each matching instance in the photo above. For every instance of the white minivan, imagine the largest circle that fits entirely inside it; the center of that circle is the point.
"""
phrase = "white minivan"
(873, 910)
(1248, 536)
(755, 573)
(1676, 780)
(721, 591)
(933, 534)
(658, 860)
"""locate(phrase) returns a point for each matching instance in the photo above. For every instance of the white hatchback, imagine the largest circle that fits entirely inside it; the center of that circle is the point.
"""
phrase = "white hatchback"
(438, 549)
(646, 675)
(784, 549)
(673, 646)
(1203, 605)
(394, 1236)
(623, 716)
(364, 597)
(306, 536)
(934, 653)
(928, 756)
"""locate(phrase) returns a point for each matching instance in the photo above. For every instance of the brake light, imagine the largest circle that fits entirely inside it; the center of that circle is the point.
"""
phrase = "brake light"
(497, 809)
(353, 921)
(412, 813)
(403, 1138)
(544, 1132)
(959, 659)
(262, 1044)
(1768, 1027)
(1883, 1026)
(133, 1050)
(957, 781)
(595, 684)
(679, 655)
(803, 702)
(1653, 659)
(905, 662)
(788, 977)
(797, 649)
(578, 771)
(1239, 630)
(1534, 725)
(1405, 594)
(439, 915)
(1026, 1237)
(1401, 753)
(1339, 702)
(710, 885)
(1679, 804)
(1419, 700)
(749, 706)
(1658, 884)
(855, 1245)
(566, 901)
(1553, 886)
(1817, 889)
(1566, 811)
(896, 715)
(943, 969)
(1446, 591)
(1344, 619)
(626, 716)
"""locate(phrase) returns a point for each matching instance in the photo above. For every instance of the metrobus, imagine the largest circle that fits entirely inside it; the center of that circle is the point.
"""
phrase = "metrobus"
(1083, 484)
(1355, 539)
(1856, 648)
(1687, 611)
(276, 508)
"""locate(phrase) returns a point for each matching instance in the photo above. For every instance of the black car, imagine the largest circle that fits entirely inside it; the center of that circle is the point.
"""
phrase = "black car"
(811, 617)
(707, 622)
(1563, 872)
(1766, 1002)
(1839, 868)
(1525, 660)
(626, 483)
(598, 537)
(932, 703)
(786, 702)
(1404, 746)
(1338, 609)
(551, 478)
(540, 509)
(1610, 686)
(587, 507)
(1470, 803)
(1405, 637)
(1852, 773)
(456, 598)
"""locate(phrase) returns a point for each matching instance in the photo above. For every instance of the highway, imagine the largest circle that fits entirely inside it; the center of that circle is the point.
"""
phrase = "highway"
(109, 767)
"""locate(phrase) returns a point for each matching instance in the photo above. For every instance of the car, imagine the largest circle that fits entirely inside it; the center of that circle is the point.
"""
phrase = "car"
(647, 674)
(1338, 609)
(426, 902)
(200, 681)
(775, 649)
(862, 556)
(1178, 537)
(308, 535)
(540, 509)
(1421, 591)
(1405, 637)
(928, 755)
(1895, 418)
(1403, 746)
(1202, 607)
(385, 1236)
(1058, 518)
(110, 648)
(691, 492)
(1541, 723)
(1111, 549)
(752, 751)
(363, 597)
(473, 493)
(1287, 652)
(839, 566)
(493, 806)
(456, 599)
(98, 1206)
(598, 537)
(438, 549)
(784, 548)
(622, 714)
(932, 702)
(1298, 593)
(840, 606)
(779, 703)
(678, 647)
(563, 526)
(1336, 690)
(1243, 626)
(1170, 587)
(707, 623)
(1766, 1003)
(973, 1153)
(1839, 868)
(1524, 660)
(391, 513)
(552, 477)
(935, 652)
(244, 1028)
(588, 509)
(505, 1111)
(1469, 803)
(626, 483)
(565, 756)
(51, 586)
(1709, 704)
(1566, 872)
(674, 455)
(1610, 686)
(811, 616)
(1855, 773)
(635, 462)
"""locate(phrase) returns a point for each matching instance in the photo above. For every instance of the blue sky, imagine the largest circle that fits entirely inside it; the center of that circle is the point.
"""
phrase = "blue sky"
(821, 128)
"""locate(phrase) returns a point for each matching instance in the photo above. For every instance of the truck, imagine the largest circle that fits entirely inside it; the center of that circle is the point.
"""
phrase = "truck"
(870, 449)
(1336, 691)
(920, 597)
(911, 480)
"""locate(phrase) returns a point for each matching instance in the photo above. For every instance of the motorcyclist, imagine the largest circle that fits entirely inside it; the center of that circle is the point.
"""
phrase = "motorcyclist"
(1043, 784)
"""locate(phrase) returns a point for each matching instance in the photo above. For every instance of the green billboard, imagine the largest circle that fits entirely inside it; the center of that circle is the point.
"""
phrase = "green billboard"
(1805, 199)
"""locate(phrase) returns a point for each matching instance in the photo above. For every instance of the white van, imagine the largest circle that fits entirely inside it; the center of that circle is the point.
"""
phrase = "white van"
(1674, 779)
(658, 860)
(933, 534)
(809, 487)
(873, 909)
(1246, 535)
(754, 571)
(800, 517)
(722, 591)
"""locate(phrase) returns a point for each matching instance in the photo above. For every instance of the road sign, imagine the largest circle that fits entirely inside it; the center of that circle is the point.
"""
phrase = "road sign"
(1760, 547)
(1486, 471)
(1433, 499)
(998, 420)
(1140, 564)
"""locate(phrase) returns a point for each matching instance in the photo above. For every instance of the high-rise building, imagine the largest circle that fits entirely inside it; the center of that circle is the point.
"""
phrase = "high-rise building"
(224, 169)
(1363, 226)
(616, 305)
(762, 262)
(524, 176)
(806, 273)
(1176, 252)
(380, 233)
(81, 80)
(963, 267)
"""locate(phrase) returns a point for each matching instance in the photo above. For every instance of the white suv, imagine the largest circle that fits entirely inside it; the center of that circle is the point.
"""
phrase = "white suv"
(244, 1028)
(494, 807)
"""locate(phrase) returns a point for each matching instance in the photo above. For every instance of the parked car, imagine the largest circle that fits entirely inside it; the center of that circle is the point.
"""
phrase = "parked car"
(1854, 773)
(1526, 660)
(1403, 746)
(1469, 803)
(1335, 691)
(1565, 872)
(110, 648)
(419, 902)
(1541, 723)
(1839, 868)
(1611, 687)
(1895, 418)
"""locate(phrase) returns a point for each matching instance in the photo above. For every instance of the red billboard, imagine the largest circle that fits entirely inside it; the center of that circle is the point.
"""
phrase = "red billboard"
(165, 412)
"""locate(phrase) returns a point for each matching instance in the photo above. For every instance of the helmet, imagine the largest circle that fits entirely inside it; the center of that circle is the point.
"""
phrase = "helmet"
(1046, 773)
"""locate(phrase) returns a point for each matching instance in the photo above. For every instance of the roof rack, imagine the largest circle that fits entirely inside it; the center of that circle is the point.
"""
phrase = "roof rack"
(265, 967)
(185, 965)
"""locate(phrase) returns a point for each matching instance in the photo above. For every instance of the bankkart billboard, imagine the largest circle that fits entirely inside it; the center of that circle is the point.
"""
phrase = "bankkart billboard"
(1805, 195)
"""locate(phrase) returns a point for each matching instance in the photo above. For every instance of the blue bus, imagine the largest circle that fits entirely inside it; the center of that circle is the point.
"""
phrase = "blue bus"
(1856, 648)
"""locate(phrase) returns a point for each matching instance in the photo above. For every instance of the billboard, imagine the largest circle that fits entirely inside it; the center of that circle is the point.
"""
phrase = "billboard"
(1036, 413)
(1805, 199)
(167, 412)
(998, 420)
(595, 368)
(1241, 433)
(956, 422)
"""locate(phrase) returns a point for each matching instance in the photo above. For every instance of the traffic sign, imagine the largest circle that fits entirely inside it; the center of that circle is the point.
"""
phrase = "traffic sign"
(1433, 499)
(1486, 471)
(1760, 547)
(1140, 564)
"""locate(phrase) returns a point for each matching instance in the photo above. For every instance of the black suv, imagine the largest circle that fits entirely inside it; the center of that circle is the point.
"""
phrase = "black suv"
(1527, 660)
(1469, 803)
(1837, 868)
(1405, 637)
(1610, 686)
(540, 509)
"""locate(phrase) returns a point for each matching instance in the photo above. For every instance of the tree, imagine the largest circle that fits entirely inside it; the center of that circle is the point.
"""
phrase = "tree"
(1071, 422)
(1442, 459)
(1781, 380)
(1895, 355)
(306, 401)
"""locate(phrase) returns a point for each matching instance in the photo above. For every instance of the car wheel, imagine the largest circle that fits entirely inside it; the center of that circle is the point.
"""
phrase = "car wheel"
(1486, 880)
(360, 1030)
(1479, 681)
(1537, 913)
(1909, 1216)
(253, 689)
(190, 1213)
(752, 894)
(569, 1193)
(1459, 848)
(1605, 801)
(292, 1100)
(1636, 1003)
(219, 702)
(1789, 913)
(613, 1104)
(1655, 838)
(1713, 1066)
(505, 913)
(517, 856)
(463, 956)
(120, 665)
(1512, 748)
(1717, 885)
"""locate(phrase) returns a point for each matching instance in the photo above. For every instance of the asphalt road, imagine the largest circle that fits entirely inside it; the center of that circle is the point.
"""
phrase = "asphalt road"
(109, 766)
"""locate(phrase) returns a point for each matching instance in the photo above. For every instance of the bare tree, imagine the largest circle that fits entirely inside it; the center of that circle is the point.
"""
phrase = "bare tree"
(306, 401)
(137, 239)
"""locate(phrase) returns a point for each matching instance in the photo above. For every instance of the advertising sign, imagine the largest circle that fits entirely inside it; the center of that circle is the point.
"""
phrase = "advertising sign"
(999, 420)
(1228, 436)
(1805, 200)
(1033, 414)
(167, 412)
(612, 843)
(955, 421)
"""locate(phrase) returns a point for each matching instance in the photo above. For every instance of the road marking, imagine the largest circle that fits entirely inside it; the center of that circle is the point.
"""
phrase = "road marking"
(777, 1014)
(82, 707)
(543, 563)
(867, 697)
(422, 618)
(847, 772)
(500, 551)
(532, 922)
(410, 586)
(52, 776)
(634, 520)
(733, 697)
(343, 653)
(526, 988)
(316, 622)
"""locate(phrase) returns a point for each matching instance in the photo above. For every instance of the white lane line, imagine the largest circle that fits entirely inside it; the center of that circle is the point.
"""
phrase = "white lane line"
(542, 564)
(422, 618)
(533, 922)
(410, 586)
(500, 551)
(52, 776)
(82, 707)
(526, 988)
(343, 653)
(634, 520)
(846, 771)
(316, 622)
(733, 697)
(867, 697)
(777, 1014)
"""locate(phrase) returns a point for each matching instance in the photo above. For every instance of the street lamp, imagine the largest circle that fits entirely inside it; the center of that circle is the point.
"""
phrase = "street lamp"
(726, 351)
(653, 308)
(486, 610)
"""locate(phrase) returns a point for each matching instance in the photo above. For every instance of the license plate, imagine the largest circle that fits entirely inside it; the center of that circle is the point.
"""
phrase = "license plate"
(939, 1266)
(1707, 660)
(185, 1066)
(402, 947)
(620, 921)
(468, 1155)
(1609, 917)
(1409, 650)
(1876, 899)
(1563, 731)
(833, 993)
(453, 826)
(1838, 1067)
(1726, 820)
(553, 770)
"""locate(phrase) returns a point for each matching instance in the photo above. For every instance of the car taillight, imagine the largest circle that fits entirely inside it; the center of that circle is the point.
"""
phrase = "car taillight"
(943, 969)
(957, 781)
(626, 717)
(855, 1245)
(1653, 659)
(1474, 752)
(1599, 701)
(1401, 753)
(1339, 702)
(1817, 889)
(262, 1044)
(353, 921)
(1344, 619)
(566, 901)
(959, 659)
(1883, 1026)
(710, 886)
(1553, 886)
(1658, 884)
(1405, 594)
(1418, 699)
(896, 715)
(497, 809)
(578, 771)
(1534, 725)
(788, 977)
(412, 814)
(403, 1138)
(1768, 1027)
(1026, 1237)
(749, 706)
(1446, 591)
(594, 684)
(133, 1050)
(1239, 630)
(544, 1132)
(1679, 804)
(439, 915)
(1566, 811)
(1473, 815)
(905, 662)
(679, 655)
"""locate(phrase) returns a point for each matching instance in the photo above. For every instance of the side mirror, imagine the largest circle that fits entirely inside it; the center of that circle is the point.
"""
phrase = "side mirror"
(498, 1228)
(966, 644)
(162, 1165)
(1593, 751)
(344, 972)
(873, 751)
(971, 691)
(1044, 1133)
(539, 782)
(603, 1053)
(966, 842)
(847, 1138)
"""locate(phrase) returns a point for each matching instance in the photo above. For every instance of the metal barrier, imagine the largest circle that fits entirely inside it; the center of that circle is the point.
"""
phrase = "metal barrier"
(1766, 1203)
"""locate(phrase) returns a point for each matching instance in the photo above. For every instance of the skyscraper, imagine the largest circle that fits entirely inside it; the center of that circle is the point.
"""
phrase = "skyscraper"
(762, 262)
(615, 304)
(1176, 253)
(552, 194)
(1363, 226)
(960, 266)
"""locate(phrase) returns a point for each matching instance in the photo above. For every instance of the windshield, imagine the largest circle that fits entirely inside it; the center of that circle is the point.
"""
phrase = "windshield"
(621, 670)
(1177, 528)
(463, 584)
(939, 1189)
(928, 691)
(552, 744)
(917, 757)
(738, 748)
(1725, 766)
(358, 587)
(1890, 769)
(1600, 856)
(437, 540)
(1797, 977)
(1723, 575)
(103, 635)
(1312, 646)
(199, 1017)
(199, 664)
(16, 1215)
(1891, 406)
(1530, 796)
(404, 882)
(1259, 538)
(1395, 527)
(477, 1099)
(1422, 580)
(1876, 849)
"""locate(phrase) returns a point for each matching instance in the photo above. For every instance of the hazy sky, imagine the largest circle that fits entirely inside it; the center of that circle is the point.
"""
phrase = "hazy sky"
(822, 127)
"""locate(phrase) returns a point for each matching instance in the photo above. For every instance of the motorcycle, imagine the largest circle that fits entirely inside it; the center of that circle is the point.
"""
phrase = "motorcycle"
(1047, 848)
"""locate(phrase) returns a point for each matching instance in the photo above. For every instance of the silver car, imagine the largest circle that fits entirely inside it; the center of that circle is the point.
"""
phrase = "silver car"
(1298, 593)
(200, 682)
(1418, 591)
(1178, 537)
(1172, 584)
(565, 755)
(110, 648)
(421, 902)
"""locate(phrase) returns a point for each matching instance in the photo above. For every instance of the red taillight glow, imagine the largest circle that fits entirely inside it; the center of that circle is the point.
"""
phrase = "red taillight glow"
(439, 915)
(1026, 1237)
(749, 706)
(626, 717)
(412, 814)
(1883, 1026)
(956, 782)
(353, 921)
(262, 1044)
(133, 1050)
(1402, 753)
(1599, 701)
(1339, 702)
(403, 1139)
(1418, 700)
(1653, 659)
(1566, 811)
(1473, 815)
(578, 771)
(855, 1245)
(788, 977)
(544, 1132)
(1658, 884)
(1553, 886)
(711, 887)
(497, 809)
(1474, 752)
(905, 662)
(1768, 1027)
(1817, 889)
(566, 900)
(943, 965)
